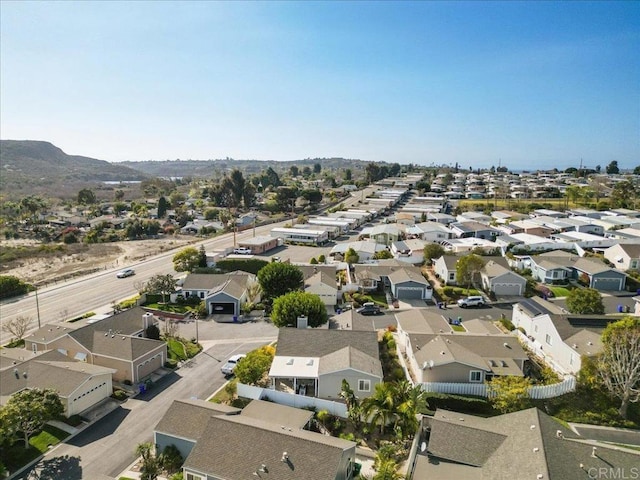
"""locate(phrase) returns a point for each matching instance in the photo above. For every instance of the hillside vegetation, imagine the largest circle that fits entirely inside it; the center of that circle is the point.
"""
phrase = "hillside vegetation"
(40, 167)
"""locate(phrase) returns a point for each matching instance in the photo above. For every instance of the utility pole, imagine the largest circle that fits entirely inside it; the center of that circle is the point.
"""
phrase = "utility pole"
(38, 308)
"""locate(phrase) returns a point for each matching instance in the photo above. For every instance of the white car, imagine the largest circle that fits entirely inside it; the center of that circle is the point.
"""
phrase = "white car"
(242, 251)
(127, 272)
(474, 301)
(228, 368)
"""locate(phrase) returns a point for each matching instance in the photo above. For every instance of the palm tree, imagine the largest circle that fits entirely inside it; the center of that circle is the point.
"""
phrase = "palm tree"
(410, 400)
(150, 468)
(380, 407)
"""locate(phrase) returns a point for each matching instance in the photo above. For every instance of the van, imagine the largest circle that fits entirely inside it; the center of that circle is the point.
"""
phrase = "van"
(474, 301)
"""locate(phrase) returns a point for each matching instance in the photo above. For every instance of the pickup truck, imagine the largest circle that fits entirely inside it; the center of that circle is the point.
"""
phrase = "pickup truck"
(228, 368)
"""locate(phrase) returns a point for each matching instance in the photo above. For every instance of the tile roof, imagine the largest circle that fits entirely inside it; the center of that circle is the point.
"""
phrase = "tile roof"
(236, 447)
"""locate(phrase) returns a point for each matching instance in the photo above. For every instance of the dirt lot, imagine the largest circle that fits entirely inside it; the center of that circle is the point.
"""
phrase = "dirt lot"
(81, 259)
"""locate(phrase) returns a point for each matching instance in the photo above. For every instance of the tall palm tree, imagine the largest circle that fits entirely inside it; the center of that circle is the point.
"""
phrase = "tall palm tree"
(380, 407)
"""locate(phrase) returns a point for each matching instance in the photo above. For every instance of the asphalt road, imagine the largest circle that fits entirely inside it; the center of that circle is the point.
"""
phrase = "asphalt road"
(107, 447)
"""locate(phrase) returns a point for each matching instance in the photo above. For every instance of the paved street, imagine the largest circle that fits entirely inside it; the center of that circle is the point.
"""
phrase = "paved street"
(107, 447)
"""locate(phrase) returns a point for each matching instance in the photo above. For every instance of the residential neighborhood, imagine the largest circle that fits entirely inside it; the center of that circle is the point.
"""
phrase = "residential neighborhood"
(396, 293)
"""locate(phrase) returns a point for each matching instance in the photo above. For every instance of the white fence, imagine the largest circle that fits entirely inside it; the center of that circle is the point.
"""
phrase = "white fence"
(536, 392)
(298, 401)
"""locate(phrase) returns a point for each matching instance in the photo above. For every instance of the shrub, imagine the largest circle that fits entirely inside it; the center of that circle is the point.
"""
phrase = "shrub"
(457, 403)
(508, 324)
(120, 395)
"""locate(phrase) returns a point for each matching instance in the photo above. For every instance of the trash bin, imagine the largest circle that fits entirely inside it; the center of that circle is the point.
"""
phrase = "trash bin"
(620, 308)
(235, 319)
(142, 388)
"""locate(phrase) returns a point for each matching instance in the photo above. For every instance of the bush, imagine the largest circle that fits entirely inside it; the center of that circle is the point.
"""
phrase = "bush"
(508, 324)
(120, 395)
(457, 403)
(171, 363)
(11, 286)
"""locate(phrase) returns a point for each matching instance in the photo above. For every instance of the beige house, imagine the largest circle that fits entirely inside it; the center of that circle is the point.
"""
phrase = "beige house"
(624, 256)
(79, 385)
(122, 349)
(325, 286)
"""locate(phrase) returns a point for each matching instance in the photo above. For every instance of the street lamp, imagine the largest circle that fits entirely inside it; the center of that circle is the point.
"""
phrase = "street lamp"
(38, 307)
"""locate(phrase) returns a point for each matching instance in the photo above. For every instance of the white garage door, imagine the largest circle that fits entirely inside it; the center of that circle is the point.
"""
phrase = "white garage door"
(507, 289)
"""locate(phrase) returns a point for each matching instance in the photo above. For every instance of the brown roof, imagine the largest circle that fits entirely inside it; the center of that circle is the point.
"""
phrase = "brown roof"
(277, 414)
(114, 345)
(188, 418)
(297, 342)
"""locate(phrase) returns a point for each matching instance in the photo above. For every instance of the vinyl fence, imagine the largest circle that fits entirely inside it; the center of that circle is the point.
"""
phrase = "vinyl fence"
(293, 400)
(536, 392)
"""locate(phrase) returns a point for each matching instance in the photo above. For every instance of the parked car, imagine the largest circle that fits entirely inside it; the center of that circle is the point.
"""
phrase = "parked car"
(369, 308)
(474, 301)
(127, 272)
(242, 251)
(228, 368)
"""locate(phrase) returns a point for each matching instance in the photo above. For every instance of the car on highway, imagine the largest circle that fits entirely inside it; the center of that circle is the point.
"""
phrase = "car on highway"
(473, 301)
(127, 272)
(228, 368)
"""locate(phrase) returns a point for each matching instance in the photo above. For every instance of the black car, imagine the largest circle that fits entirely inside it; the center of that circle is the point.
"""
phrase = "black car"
(367, 310)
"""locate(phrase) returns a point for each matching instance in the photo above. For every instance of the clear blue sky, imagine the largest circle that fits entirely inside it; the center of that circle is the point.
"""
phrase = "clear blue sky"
(535, 84)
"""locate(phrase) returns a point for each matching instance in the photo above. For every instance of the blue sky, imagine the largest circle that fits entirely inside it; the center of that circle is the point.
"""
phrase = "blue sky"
(531, 84)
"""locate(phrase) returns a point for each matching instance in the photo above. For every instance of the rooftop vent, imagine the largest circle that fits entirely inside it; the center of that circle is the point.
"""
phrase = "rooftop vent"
(559, 434)
(290, 361)
(594, 452)
(532, 427)
(285, 457)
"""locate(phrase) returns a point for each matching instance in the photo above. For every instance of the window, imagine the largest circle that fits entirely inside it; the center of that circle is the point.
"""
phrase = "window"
(548, 339)
(193, 476)
(452, 276)
(475, 376)
(201, 294)
(364, 385)
(34, 347)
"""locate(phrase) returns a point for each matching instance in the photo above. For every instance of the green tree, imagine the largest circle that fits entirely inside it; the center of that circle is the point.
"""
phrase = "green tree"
(11, 286)
(623, 195)
(186, 260)
(382, 254)
(585, 300)
(287, 308)
(354, 406)
(27, 411)
(350, 256)
(163, 206)
(619, 363)
(468, 268)
(151, 466)
(317, 168)
(612, 168)
(86, 197)
(161, 285)
(237, 185)
(152, 332)
(294, 171)
(202, 257)
(118, 195)
(509, 393)
(432, 251)
(249, 195)
(312, 196)
(348, 174)
(171, 459)
(636, 171)
(252, 369)
(278, 278)
(380, 407)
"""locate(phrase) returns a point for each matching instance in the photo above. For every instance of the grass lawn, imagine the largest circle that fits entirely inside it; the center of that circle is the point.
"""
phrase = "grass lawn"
(181, 349)
(169, 307)
(458, 328)
(17, 456)
(379, 299)
(224, 395)
(559, 291)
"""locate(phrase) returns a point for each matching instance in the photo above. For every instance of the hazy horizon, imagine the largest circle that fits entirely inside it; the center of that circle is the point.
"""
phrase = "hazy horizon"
(530, 85)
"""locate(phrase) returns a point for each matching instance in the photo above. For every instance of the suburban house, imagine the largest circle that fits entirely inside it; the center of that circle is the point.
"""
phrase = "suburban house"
(463, 358)
(79, 385)
(314, 362)
(501, 280)
(554, 266)
(222, 293)
(624, 256)
(429, 231)
(384, 234)
(445, 268)
(409, 283)
(116, 342)
(524, 444)
(474, 229)
(263, 439)
(325, 286)
(259, 244)
(366, 249)
(599, 276)
(527, 226)
(561, 339)
(246, 220)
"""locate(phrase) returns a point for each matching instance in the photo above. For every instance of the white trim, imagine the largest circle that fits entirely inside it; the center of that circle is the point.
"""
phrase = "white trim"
(365, 381)
(471, 372)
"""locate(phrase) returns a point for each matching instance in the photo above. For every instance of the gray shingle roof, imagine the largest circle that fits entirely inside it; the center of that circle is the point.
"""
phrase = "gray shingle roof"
(204, 281)
(188, 418)
(118, 346)
(235, 447)
(296, 342)
(277, 414)
(408, 274)
(349, 357)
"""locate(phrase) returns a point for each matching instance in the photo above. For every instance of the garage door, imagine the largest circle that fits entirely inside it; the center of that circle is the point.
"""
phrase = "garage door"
(149, 366)
(607, 284)
(409, 292)
(507, 289)
(225, 308)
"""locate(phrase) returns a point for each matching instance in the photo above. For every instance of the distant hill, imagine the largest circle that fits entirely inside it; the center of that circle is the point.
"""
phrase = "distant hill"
(212, 168)
(40, 167)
